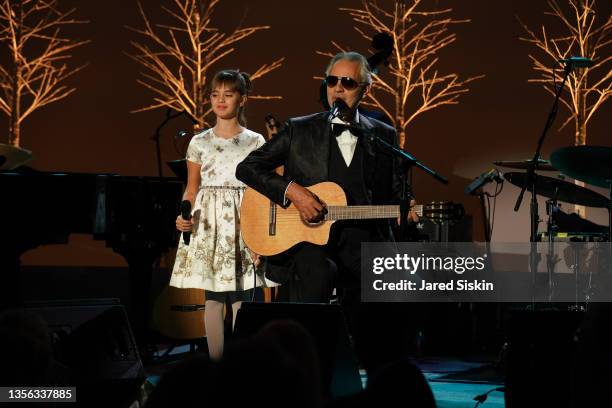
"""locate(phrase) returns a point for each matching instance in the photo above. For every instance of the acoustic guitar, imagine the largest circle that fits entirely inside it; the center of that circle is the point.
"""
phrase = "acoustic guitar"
(268, 229)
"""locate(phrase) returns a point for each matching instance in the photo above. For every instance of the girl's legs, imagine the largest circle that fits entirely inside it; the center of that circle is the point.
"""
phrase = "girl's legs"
(213, 320)
(235, 308)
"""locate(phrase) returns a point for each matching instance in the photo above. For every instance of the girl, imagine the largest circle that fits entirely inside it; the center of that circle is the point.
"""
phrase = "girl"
(216, 259)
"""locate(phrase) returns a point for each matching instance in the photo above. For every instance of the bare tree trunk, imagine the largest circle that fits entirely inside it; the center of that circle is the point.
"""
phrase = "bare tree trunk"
(581, 134)
(400, 85)
(402, 138)
(399, 113)
(198, 83)
(198, 113)
(14, 125)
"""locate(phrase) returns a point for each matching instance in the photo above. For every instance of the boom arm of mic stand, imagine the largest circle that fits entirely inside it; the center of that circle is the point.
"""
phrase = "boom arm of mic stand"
(410, 159)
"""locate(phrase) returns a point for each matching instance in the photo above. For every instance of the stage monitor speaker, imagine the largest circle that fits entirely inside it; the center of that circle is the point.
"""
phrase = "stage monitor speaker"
(539, 361)
(94, 345)
(326, 324)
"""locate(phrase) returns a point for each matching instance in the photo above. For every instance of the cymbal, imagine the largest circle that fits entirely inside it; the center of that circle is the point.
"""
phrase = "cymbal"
(560, 190)
(12, 157)
(543, 165)
(591, 164)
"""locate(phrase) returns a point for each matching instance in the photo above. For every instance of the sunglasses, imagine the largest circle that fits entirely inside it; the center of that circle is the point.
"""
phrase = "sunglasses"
(346, 82)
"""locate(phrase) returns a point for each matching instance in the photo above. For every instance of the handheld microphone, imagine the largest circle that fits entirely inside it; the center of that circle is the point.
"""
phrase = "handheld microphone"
(577, 62)
(186, 214)
(484, 178)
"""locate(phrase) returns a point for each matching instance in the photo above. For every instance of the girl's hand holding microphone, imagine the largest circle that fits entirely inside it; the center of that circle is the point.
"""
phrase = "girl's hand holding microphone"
(183, 225)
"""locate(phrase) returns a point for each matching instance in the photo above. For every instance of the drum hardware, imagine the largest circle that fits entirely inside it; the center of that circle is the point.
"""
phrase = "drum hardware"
(578, 259)
(575, 229)
(556, 190)
(551, 259)
(591, 164)
(531, 179)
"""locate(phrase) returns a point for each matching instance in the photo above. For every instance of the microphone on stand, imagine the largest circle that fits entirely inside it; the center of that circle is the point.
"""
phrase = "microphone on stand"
(484, 178)
(577, 62)
(343, 112)
(339, 109)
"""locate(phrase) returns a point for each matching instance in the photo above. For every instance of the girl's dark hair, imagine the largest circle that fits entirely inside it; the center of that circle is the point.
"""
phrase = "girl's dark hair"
(236, 81)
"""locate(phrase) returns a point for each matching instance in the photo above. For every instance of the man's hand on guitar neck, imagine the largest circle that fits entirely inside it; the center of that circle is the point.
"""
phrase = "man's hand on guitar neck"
(311, 208)
(413, 217)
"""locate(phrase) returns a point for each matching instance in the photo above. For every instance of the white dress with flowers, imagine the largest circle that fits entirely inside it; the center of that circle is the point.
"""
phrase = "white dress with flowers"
(217, 259)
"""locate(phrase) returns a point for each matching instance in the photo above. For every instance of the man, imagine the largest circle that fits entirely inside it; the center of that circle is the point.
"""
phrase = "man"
(319, 148)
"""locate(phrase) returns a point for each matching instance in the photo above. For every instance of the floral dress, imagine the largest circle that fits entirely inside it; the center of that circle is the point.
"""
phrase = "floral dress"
(217, 259)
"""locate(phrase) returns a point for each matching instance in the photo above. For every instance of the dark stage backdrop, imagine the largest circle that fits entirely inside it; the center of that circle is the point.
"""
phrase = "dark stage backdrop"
(499, 119)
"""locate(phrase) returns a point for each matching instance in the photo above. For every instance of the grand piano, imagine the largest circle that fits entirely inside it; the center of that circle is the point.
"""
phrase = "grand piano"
(134, 215)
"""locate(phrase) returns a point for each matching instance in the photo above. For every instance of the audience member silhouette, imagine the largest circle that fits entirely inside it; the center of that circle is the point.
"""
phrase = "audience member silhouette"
(277, 367)
(398, 384)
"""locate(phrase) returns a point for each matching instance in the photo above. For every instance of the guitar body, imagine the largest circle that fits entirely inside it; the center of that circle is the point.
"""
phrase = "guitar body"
(177, 324)
(257, 212)
(268, 229)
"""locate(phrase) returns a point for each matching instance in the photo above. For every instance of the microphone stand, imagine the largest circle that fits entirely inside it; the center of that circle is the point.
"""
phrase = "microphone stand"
(531, 181)
(157, 136)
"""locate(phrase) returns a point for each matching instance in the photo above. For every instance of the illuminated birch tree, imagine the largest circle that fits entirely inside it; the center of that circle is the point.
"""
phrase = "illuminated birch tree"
(177, 57)
(415, 85)
(36, 68)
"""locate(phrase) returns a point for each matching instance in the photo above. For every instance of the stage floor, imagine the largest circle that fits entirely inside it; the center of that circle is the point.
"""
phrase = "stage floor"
(454, 382)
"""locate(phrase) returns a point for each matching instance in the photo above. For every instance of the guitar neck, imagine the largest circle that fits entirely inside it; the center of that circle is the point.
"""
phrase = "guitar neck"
(365, 212)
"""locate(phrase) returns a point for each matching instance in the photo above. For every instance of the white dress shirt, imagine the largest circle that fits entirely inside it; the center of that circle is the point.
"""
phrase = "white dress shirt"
(346, 141)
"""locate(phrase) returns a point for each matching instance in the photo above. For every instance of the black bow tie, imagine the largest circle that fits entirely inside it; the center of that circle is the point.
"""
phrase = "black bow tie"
(338, 128)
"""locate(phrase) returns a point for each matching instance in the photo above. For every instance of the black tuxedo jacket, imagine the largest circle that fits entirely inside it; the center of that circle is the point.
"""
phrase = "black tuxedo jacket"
(303, 147)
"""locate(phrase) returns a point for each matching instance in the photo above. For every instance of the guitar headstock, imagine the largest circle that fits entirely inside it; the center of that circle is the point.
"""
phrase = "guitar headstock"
(441, 211)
